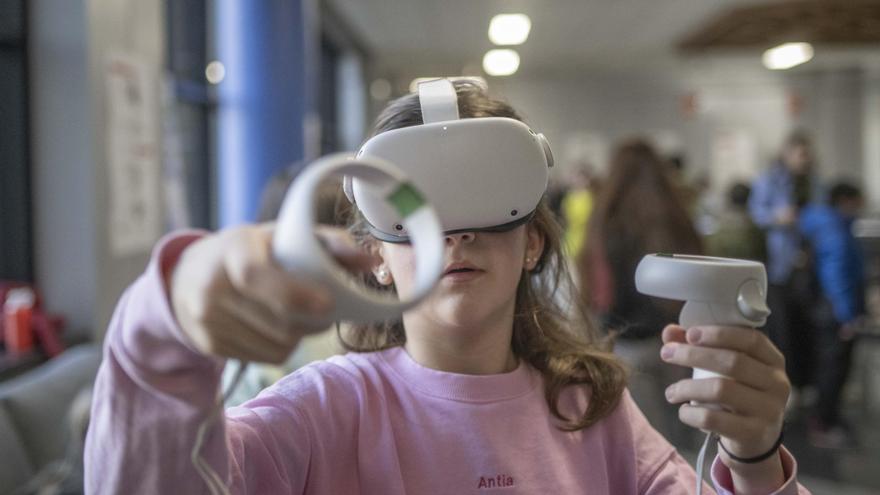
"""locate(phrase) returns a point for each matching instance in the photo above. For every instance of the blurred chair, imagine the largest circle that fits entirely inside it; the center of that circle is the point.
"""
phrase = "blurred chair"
(34, 432)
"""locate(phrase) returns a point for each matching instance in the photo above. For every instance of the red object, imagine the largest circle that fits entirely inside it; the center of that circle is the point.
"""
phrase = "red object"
(46, 328)
(25, 326)
(18, 329)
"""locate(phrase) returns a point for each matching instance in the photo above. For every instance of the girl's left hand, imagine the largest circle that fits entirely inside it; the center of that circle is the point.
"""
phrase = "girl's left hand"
(752, 392)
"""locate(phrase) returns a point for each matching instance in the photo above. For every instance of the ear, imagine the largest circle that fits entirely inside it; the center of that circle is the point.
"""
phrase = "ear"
(380, 271)
(534, 246)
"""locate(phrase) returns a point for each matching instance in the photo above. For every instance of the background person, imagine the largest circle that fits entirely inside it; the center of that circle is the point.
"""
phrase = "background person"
(637, 212)
(777, 197)
(841, 274)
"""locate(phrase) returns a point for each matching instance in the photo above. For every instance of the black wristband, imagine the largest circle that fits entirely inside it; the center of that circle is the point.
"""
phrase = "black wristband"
(756, 459)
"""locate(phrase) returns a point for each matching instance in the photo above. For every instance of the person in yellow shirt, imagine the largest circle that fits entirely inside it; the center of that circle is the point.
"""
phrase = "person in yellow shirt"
(576, 208)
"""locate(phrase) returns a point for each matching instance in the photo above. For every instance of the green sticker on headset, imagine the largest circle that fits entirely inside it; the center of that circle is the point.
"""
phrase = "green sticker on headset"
(405, 199)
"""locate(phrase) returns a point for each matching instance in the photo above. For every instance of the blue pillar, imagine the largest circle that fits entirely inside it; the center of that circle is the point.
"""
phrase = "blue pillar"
(266, 47)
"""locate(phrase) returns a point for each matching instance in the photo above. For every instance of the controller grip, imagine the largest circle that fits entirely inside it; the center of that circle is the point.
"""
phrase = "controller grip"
(696, 313)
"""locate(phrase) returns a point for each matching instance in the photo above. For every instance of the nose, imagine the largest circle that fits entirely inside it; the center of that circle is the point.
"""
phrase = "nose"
(459, 238)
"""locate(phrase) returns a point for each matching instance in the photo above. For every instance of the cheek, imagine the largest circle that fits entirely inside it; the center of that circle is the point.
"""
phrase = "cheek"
(402, 263)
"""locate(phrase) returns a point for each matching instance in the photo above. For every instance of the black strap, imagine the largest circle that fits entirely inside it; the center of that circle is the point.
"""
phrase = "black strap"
(756, 459)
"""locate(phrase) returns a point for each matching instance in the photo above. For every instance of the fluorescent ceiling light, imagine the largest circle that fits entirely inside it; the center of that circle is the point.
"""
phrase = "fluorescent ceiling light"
(479, 81)
(501, 62)
(787, 55)
(509, 29)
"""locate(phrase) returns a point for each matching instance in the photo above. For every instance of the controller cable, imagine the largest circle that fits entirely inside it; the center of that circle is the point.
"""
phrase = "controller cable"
(211, 478)
(701, 460)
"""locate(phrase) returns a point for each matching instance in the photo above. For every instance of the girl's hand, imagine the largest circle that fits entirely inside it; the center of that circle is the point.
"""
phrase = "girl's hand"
(232, 300)
(752, 394)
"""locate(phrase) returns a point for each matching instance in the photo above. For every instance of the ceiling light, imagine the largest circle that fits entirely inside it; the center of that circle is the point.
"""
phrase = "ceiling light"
(215, 72)
(380, 89)
(479, 81)
(787, 55)
(501, 62)
(509, 29)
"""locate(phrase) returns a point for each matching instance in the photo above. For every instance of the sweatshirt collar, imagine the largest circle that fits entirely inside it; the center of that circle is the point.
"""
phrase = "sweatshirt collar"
(461, 387)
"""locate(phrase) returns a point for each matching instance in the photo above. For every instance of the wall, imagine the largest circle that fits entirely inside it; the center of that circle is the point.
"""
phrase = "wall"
(63, 161)
(81, 274)
(871, 141)
(741, 113)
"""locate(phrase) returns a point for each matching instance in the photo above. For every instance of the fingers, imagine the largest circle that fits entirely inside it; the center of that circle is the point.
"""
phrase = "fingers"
(250, 314)
(253, 273)
(731, 426)
(747, 340)
(751, 392)
(733, 396)
(231, 339)
(733, 364)
(674, 333)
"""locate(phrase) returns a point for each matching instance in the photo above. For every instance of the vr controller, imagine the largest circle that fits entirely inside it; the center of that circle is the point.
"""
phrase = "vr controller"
(716, 291)
(297, 249)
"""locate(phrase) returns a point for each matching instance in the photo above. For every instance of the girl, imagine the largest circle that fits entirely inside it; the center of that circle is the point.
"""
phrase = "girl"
(485, 386)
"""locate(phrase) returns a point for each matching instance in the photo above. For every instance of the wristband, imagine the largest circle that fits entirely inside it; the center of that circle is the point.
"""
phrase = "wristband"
(756, 459)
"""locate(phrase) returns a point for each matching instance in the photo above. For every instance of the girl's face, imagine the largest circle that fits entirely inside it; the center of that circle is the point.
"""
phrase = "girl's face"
(481, 274)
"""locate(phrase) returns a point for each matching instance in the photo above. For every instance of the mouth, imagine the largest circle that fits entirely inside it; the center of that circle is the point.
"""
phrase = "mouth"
(461, 271)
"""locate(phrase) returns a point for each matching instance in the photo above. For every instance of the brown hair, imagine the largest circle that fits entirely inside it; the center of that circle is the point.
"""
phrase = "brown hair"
(638, 211)
(565, 349)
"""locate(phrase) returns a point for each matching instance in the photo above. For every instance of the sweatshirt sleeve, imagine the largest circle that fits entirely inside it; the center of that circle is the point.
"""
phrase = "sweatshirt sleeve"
(724, 483)
(675, 476)
(154, 390)
(663, 471)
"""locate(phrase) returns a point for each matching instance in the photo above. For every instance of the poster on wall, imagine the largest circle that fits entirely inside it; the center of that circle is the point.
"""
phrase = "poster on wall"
(134, 164)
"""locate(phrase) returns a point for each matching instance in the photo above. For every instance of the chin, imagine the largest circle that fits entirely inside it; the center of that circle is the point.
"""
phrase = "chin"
(461, 312)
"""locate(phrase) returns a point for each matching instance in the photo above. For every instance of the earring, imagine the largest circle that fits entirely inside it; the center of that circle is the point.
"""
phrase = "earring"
(383, 275)
(529, 262)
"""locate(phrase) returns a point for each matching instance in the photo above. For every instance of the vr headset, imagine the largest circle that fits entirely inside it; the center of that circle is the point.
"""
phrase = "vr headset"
(480, 174)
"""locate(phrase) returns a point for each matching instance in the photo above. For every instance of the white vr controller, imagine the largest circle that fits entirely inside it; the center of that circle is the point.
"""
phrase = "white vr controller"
(296, 247)
(716, 291)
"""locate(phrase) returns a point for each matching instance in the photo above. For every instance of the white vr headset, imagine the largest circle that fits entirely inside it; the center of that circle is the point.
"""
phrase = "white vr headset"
(448, 175)
(480, 174)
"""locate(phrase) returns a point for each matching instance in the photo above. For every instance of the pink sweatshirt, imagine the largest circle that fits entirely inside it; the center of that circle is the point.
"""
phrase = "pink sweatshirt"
(375, 423)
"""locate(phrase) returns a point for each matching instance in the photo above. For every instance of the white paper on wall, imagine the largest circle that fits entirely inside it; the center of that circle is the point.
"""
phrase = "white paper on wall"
(133, 155)
(734, 157)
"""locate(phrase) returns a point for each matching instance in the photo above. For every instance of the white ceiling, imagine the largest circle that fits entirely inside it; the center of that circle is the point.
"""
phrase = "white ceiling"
(449, 35)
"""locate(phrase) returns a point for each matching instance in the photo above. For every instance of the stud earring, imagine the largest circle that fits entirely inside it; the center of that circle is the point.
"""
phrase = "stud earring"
(383, 275)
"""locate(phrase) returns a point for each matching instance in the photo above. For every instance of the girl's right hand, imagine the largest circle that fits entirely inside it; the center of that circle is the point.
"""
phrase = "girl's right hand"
(233, 300)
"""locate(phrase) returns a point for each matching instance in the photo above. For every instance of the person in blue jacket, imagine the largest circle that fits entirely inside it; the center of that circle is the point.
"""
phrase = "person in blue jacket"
(774, 205)
(840, 272)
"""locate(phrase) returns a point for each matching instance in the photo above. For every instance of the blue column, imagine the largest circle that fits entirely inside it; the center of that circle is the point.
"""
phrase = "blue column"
(266, 47)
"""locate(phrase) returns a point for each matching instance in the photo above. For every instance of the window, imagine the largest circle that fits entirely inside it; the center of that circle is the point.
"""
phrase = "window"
(16, 231)
(188, 119)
